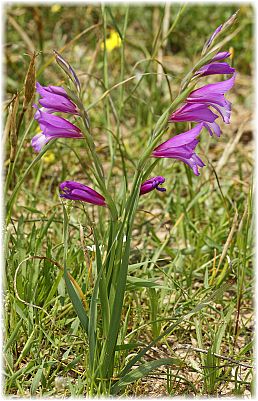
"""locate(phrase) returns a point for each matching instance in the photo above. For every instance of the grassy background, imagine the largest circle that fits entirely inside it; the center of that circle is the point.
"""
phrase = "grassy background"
(189, 242)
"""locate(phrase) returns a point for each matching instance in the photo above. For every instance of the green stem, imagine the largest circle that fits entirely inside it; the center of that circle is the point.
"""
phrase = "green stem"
(106, 85)
(107, 355)
(98, 168)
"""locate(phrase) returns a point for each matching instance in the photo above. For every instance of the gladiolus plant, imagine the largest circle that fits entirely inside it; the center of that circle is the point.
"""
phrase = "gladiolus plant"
(203, 105)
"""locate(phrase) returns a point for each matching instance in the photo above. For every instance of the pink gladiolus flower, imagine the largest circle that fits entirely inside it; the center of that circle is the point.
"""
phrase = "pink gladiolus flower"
(52, 127)
(197, 105)
(213, 95)
(55, 99)
(197, 113)
(181, 147)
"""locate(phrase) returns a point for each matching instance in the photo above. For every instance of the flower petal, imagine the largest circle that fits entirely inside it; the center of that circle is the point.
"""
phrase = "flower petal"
(38, 141)
(213, 128)
(215, 68)
(220, 56)
(212, 90)
(193, 112)
(184, 138)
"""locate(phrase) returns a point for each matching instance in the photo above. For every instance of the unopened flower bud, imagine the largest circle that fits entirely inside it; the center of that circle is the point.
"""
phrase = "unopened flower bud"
(68, 70)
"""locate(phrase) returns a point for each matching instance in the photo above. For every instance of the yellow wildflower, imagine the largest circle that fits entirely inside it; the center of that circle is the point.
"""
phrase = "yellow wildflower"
(112, 42)
(49, 157)
(55, 8)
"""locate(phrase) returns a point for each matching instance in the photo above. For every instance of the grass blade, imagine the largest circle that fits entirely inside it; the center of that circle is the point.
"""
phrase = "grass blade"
(141, 371)
(77, 304)
(197, 308)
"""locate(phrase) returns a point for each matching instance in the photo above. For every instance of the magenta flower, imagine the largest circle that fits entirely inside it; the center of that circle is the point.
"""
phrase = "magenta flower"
(52, 127)
(197, 104)
(215, 68)
(181, 147)
(75, 191)
(197, 113)
(54, 99)
(151, 184)
(213, 95)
